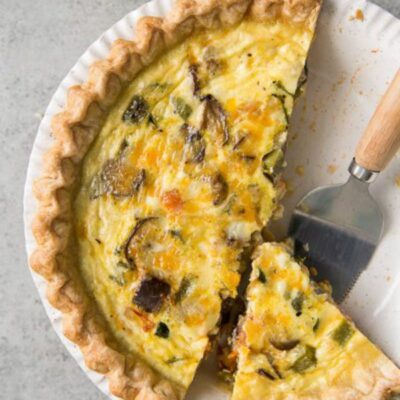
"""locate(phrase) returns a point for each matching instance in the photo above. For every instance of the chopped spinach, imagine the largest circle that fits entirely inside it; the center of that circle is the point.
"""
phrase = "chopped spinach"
(297, 304)
(119, 280)
(173, 360)
(137, 110)
(343, 333)
(261, 276)
(302, 82)
(282, 99)
(162, 330)
(181, 108)
(123, 265)
(152, 120)
(280, 86)
(183, 290)
(316, 325)
(273, 163)
(177, 234)
(306, 361)
(229, 205)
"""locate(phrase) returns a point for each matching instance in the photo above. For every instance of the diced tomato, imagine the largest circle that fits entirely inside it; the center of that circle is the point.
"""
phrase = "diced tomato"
(172, 200)
(145, 321)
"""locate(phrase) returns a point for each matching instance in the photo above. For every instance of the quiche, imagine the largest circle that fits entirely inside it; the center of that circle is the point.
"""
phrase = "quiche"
(294, 343)
(165, 165)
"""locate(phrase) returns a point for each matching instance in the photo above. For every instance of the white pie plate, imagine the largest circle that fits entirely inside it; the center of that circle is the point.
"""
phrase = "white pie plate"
(351, 64)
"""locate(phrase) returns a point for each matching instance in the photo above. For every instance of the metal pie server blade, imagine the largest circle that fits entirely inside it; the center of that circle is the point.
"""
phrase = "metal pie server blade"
(337, 228)
(340, 228)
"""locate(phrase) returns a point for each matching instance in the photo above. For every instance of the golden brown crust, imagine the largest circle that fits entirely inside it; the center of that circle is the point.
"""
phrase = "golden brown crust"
(74, 130)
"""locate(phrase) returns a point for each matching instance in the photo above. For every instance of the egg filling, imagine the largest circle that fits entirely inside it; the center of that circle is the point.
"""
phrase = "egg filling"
(183, 172)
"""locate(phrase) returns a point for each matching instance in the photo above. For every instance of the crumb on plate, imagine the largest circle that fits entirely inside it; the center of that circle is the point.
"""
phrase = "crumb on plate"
(299, 170)
(332, 168)
(359, 16)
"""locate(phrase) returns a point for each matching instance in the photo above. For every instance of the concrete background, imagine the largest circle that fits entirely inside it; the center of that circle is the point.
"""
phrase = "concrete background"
(39, 42)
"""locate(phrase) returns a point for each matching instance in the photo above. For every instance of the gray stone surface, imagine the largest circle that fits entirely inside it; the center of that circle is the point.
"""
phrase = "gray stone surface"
(39, 41)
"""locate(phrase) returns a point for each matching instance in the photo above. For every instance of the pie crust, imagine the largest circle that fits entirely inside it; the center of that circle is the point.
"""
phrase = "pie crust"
(74, 129)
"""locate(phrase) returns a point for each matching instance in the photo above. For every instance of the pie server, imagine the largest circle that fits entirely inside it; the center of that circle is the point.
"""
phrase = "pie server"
(337, 228)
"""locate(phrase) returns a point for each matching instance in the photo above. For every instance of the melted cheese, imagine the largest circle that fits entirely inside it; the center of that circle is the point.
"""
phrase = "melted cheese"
(298, 349)
(195, 237)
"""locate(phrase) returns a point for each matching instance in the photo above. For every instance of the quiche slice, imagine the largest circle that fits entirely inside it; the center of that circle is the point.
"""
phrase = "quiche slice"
(294, 343)
(165, 164)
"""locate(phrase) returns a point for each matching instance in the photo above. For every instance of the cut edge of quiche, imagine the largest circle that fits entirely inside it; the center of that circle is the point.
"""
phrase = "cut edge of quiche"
(293, 342)
(76, 130)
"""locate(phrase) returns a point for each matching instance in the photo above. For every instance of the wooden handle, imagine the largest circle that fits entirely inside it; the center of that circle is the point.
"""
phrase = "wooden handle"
(381, 139)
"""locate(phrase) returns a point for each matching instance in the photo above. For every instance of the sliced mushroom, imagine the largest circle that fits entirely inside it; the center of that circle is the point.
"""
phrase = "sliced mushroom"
(248, 158)
(231, 310)
(273, 365)
(265, 374)
(194, 75)
(212, 62)
(151, 294)
(214, 119)
(240, 140)
(284, 345)
(219, 188)
(118, 178)
(195, 144)
(214, 66)
(139, 180)
(123, 146)
(137, 246)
